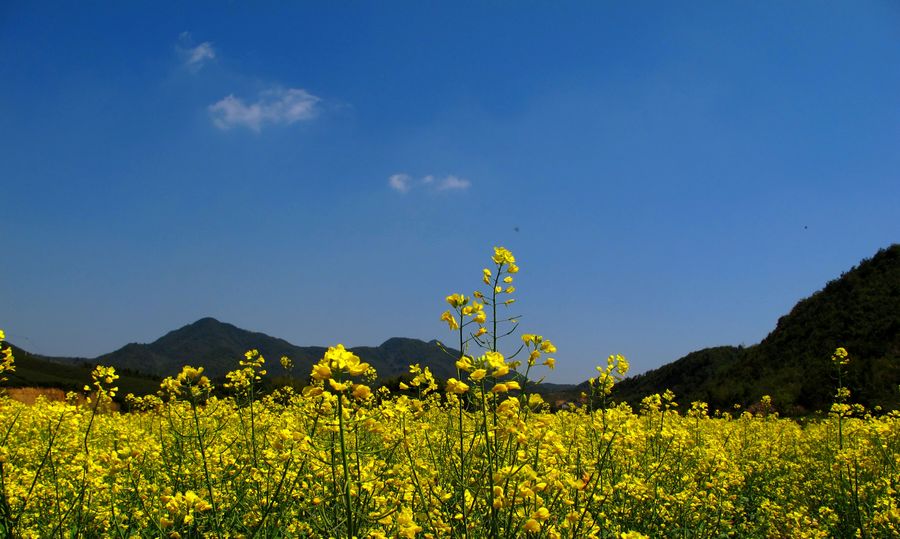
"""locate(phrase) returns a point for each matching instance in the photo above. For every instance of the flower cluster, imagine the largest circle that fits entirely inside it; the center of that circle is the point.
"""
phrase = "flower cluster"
(189, 383)
(840, 357)
(537, 345)
(337, 363)
(102, 379)
(491, 365)
(181, 508)
(7, 361)
(242, 380)
(615, 370)
(422, 379)
(467, 312)
(501, 277)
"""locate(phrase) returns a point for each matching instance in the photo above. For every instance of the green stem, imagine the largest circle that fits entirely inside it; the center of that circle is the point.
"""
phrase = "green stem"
(209, 489)
(349, 508)
(489, 446)
(462, 448)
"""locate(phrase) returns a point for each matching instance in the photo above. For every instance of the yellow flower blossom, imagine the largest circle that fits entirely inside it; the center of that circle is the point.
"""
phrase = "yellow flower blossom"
(338, 386)
(494, 359)
(503, 256)
(450, 319)
(407, 526)
(457, 300)
(361, 391)
(465, 364)
(457, 387)
(840, 356)
(321, 372)
(286, 363)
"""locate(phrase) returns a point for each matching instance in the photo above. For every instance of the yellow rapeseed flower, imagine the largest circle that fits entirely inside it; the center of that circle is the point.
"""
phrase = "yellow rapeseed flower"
(840, 356)
(464, 364)
(321, 372)
(457, 387)
(337, 386)
(361, 391)
(450, 319)
(457, 300)
(503, 256)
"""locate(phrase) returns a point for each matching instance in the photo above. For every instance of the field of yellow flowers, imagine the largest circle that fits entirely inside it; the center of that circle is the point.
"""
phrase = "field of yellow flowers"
(478, 456)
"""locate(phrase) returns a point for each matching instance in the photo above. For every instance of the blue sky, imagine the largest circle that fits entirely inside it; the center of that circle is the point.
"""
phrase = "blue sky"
(680, 174)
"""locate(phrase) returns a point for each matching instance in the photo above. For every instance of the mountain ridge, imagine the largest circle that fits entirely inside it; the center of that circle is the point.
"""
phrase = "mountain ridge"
(218, 347)
(860, 311)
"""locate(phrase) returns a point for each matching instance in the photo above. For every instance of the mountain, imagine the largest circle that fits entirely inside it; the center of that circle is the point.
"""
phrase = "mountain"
(218, 347)
(37, 371)
(859, 311)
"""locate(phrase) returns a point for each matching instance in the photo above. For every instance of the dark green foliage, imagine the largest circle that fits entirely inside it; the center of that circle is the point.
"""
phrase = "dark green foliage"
(859, 311)
(35, 371)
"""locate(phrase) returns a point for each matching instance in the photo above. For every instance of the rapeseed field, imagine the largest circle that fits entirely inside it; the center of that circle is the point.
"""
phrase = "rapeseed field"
(480, 455)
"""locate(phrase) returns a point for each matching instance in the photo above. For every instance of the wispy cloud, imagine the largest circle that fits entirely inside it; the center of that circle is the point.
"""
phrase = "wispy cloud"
(195, 57)
(284, 106)
(403, 183)
(400, 182)
(453, 183)
(200, 54)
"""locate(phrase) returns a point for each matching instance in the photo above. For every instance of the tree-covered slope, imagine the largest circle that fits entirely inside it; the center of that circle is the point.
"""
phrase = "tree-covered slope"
(859, 311)
(35, 371)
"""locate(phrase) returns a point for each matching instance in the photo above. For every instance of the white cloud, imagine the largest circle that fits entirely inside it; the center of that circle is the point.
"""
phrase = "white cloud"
(403, 183)
(200, 54)
(195, 57)
(274, 106)
(400, 182)
(453, 183)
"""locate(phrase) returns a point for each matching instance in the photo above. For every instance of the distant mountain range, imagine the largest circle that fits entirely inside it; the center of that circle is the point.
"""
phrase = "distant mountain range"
(859, 311)
(219, 346)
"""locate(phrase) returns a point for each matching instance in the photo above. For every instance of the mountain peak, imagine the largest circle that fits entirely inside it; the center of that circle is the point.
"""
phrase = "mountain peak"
(219, 346)
(397, 342)
(206, 321)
